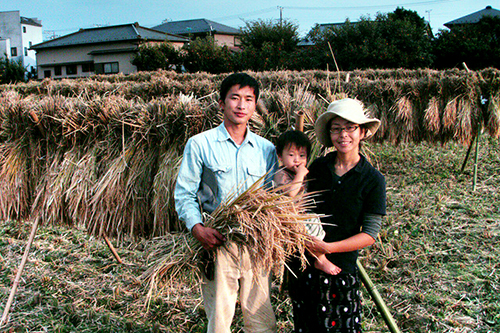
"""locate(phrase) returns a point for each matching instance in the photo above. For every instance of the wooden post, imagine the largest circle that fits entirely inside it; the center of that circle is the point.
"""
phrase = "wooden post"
(467, 155)
(299, 121)
(112, 248)
(17, 279)
(384, 311)
(479, 127)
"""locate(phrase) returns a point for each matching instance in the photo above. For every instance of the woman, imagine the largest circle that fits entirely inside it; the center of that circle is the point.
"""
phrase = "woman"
(352, 195)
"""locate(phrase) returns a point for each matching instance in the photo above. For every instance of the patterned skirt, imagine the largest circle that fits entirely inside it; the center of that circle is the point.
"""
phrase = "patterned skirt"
(326, 303)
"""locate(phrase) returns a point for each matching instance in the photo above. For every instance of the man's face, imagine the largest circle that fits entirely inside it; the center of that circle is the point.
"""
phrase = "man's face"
(238, 106)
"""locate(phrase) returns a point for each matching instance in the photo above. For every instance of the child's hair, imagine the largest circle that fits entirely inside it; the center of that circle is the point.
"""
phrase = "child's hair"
(241, 79)
(298, 138)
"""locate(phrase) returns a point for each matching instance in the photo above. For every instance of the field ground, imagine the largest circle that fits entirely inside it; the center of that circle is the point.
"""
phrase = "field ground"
(436, 263)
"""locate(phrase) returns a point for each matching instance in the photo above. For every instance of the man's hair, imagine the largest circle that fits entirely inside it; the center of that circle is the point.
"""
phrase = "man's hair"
(298, 138)
(241, 79)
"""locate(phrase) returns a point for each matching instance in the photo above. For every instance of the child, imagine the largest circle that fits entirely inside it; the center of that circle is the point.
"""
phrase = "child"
(293, 149)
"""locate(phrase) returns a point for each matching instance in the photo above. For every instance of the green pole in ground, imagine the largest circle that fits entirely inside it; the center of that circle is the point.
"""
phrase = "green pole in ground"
(382, 307)
(476, 158)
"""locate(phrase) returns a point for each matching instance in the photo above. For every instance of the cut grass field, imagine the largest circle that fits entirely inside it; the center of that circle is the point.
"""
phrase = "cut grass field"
(436, 263)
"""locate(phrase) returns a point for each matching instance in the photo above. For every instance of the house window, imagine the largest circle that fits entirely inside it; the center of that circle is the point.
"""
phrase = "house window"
(57, 71)
(25, 51)
(13, 51)
(24, 29)
(87, 67)
(111, 68)
(47, 73)
(71, 70)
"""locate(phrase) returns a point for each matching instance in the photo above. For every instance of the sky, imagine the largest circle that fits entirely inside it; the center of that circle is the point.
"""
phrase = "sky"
(61, 17)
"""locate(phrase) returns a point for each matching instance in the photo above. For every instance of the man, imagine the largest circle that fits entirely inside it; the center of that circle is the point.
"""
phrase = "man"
(237, 158)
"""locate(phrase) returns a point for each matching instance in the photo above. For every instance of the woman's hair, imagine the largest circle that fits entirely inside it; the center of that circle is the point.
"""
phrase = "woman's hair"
(240, 79)
(298, 138)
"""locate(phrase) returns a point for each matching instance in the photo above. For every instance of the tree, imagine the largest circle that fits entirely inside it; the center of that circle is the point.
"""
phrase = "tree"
(204, 55)
(267, 45)
(11, 71)
(157, 56)
(478, 45)
(393, 40)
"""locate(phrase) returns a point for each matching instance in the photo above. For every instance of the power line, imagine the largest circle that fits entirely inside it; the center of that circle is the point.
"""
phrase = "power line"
(371, 6)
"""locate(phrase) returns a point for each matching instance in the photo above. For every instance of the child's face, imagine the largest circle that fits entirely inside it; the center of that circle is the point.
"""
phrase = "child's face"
(293, 156)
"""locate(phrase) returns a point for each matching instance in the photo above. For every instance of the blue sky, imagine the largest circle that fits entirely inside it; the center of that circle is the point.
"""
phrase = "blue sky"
(61, 17)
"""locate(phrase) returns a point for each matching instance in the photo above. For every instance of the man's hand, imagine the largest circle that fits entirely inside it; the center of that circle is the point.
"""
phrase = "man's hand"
(208, 237)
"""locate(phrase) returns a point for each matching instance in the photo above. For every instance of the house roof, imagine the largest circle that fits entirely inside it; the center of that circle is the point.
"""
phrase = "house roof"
(31, 21)
(474, 17)
(109, 34)
(187, 27)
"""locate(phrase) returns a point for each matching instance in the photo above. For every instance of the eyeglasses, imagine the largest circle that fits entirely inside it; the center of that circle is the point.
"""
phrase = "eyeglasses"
(348, 129)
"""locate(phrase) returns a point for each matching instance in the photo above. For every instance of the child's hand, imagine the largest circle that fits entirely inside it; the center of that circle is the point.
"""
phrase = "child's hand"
(301, 170)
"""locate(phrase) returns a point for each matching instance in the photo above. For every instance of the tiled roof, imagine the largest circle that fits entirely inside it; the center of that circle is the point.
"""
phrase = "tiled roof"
(31, 21)
(116, 33)
(196, 26)
(475, 17)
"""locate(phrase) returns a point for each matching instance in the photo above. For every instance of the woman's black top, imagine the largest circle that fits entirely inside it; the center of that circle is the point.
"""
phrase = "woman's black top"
(345, 200)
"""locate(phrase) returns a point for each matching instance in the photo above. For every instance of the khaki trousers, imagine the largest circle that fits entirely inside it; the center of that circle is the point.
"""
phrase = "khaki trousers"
(233, 276)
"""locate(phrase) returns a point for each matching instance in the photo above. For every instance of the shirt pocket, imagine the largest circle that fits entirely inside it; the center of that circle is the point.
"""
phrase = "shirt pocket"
(255, 172)
(223, 176)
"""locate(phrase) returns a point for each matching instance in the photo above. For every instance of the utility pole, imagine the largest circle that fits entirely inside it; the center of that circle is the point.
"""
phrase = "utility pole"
(429, 15)
(281, 14)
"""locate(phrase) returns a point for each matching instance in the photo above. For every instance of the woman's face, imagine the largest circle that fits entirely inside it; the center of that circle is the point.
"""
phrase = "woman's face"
(346, 135)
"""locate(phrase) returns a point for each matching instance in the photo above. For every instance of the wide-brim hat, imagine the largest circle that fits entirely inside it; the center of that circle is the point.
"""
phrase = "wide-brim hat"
(349, 109)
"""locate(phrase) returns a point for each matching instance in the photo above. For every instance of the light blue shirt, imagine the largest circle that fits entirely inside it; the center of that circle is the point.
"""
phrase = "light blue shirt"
(235, 167)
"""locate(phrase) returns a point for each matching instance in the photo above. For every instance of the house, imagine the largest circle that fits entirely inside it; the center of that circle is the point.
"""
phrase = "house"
(103, 50)
(222, 34)
(474, 17)
(17, 35)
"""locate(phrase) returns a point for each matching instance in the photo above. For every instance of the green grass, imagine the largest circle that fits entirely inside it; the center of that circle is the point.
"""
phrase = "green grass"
(436, 263)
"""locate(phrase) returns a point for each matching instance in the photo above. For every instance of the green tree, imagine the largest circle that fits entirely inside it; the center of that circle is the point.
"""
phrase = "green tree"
(11, 71)
(157, 56)
(204, 55)
(267, 45)
(478, 45)
(393, 40)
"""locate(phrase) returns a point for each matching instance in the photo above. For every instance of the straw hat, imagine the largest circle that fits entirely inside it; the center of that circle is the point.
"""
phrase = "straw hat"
(348, 109)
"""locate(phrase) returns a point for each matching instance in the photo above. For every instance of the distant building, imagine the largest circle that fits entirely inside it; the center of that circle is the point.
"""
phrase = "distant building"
(103, 50)
(17, 35)
(474, 17)
(222, 34)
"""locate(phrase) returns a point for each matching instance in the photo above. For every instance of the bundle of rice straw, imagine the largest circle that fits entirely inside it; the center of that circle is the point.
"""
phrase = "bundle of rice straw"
(268, 222)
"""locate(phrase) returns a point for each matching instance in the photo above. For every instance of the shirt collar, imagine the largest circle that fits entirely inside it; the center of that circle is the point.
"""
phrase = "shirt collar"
(223, 135)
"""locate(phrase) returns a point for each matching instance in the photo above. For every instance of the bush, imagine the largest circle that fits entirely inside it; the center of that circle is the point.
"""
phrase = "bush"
(11, 71)
(158, 56)
(267, 45)
(204, 55)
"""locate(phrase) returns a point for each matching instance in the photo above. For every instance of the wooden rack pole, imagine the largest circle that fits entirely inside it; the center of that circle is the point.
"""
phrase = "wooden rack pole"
(17, 279)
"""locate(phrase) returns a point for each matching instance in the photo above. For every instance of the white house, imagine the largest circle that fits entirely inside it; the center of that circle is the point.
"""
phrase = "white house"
(17, 35)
